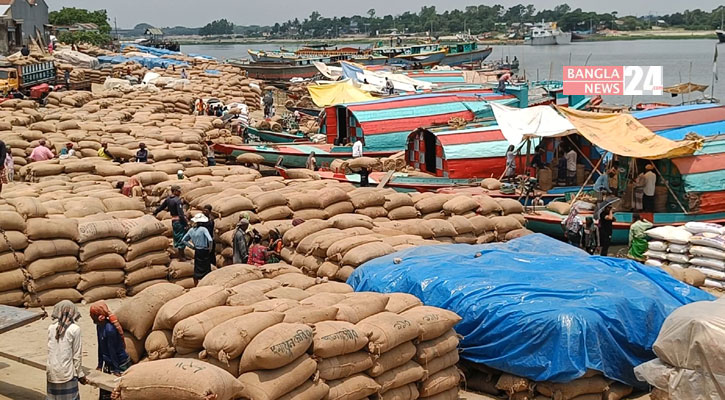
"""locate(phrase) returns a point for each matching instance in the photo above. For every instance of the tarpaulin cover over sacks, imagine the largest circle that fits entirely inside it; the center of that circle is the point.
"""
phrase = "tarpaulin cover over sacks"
(537, 307)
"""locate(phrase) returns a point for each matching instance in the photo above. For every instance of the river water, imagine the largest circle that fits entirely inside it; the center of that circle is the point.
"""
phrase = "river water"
(682, 60)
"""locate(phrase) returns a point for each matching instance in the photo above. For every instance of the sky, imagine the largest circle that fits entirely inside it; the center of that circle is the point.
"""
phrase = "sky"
(195, 13)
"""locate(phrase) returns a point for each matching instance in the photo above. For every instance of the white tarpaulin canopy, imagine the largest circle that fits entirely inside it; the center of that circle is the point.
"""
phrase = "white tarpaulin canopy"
(517, 124)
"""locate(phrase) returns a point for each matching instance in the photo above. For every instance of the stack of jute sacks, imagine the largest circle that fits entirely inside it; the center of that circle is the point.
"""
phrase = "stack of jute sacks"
(101, 259)
(282, 341)
(12, 259)
(147, 258)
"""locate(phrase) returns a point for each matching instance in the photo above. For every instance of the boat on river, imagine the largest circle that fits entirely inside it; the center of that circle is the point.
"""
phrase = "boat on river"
(277, 71)
(697, 181)
(268, 136)
(545, 34)
(461, 53)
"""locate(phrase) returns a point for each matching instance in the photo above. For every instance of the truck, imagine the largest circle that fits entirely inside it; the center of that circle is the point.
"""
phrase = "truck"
(24, 77)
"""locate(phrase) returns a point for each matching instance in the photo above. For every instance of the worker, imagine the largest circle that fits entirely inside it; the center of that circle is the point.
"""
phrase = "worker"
(389, 87)
(178, 220)
(104, 153)
(184, 74)
(199, 239)
(200, 107)
(606, 220)
(311, 162)
(638, 237)
(50, 48)
(4, 155)
(357, 148)
(573, 227)
(590, 236)
(131, 188)
(268, 102)
(208, 212)
(142, 155)
(614, 178)
(538, 161)
(8, 166)
(41, 152)
(601, 186)
(25, 51)
(209, 153)
(240, 245)
(67, 152)
(112, 355)
(275, 247)
(638, 192)
(63, 368)
(66, 77)
(510, 171)
(364, 177)
(502, 80)
(571, 166)
(650, 182)
(257, 252)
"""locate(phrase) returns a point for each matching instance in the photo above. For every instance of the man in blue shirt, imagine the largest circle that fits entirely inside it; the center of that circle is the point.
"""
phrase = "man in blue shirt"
(601, 186)
(201, 243)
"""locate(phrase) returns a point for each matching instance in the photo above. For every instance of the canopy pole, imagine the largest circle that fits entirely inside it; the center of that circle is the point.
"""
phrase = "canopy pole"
(528, 152)
(581, 189)
(667, 185)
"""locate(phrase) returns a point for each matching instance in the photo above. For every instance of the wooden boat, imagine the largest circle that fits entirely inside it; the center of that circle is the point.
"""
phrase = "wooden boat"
(427, 55)
(697, 181)
(313, 112)
(461, 53)
(292, 58)
(276, 137)
(279, 71)
(384, 124)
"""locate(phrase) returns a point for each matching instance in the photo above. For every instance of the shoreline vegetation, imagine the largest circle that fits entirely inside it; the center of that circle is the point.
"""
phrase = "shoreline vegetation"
(623, 36)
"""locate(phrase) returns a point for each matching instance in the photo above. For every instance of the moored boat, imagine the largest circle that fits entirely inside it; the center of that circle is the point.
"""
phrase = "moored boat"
(278, 71)
(461, 53)
(276, 137)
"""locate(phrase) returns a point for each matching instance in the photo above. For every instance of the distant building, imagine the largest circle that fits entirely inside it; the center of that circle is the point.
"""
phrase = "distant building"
(21, 20)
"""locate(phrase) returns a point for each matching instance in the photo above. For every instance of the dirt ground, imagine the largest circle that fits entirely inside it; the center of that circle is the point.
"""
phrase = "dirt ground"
(20, 381)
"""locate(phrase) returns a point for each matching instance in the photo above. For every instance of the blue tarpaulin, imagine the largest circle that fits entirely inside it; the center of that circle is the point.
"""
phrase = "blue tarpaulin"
(150, 50)
(537, 307)
(145, 61)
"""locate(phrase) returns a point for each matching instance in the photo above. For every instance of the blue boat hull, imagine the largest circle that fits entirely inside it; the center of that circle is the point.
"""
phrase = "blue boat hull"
(468, 57)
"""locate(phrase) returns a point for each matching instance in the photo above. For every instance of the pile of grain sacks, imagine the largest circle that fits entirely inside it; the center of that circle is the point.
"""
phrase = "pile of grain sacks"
(13, 242)
(258, 334)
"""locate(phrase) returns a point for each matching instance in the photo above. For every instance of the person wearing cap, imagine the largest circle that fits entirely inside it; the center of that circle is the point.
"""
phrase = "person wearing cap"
(650, 182)
(178, 220)
(142, 155)
(67, 151)
(199, 240)
(104, 153)
(208, 212)
(180, 174)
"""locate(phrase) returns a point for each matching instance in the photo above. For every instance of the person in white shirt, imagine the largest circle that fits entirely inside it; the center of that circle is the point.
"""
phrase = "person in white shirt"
(571, 167)
(650, 182)
(63, 368)
(357, 148)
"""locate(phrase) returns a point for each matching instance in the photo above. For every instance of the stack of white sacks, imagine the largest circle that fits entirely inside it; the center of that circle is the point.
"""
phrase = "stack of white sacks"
(698, 246)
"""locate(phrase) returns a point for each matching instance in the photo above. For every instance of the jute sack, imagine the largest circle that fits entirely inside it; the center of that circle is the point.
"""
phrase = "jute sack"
(104, 292)
(387, 330)
(150, 273)
(392, 359)
(559, 207)
(145, 246)
(399, 302)
(337, 251)
(335, 338)
(432, 204)
(440, 228)
(461, 224)
(55, 281)
(396, 200)
(276, 305)
(143, 227)
(245, 297)
(405, 392)
(134, 348)
(452, 394)
(295, 280)
(158, 345)
(250, 158)
(12, 279)
(103, 261)
(570, 390)
(50, 248)
(228, 340)
(189, 333)
(343, 366)
(330, 196)
(148, 259)
(52, 296)
(94, 230)
(28, 207)
(310, 314)
(49, 266)
(191, 303)
(302, 201)
(361, 305)
(440, 382)
(299, 232)
(275, 213)
(344, 221)
(267, 200)
(355, 387)
(510, 206)
(98, 278)
(330, 287)
(271, 385)
(430, 349)
(433, 322)
(16, 240)
(505, 224)
(405, 212)
(15, 298)
(460, 205)
(137, 313)
(263, 285)
(123, 204)
(9, 262)
(323, 299)
(491, 184)
(487, 205)
(231, 205)
(310, 390)
(482, 224)
(407, 373)
(440, 363)
(102, 246)
(367, 199)
(11, 221)
(276, 346)
(231, 275)
(181, 379)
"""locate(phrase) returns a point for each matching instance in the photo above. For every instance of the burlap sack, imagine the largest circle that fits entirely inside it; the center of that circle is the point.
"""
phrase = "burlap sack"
(392, 359)
(52, 296)
(573, 389)
(337, 251)
(143, 227)
(94, 230)
(98, 278)
(50, 248)
(299, 232)
(330, 287)
(330, 196)
(11, 221)
(275, 213)
(12, 279)
(323, 299)
(295, 280)
(276, 346)
(178, 379)
(102, 246)
(432, 204)
(440, 382)
(399, 302)
(407, 373)
(191, 303)
(137, 314)
(271, 385)
(189, 333)
(17, 240)
(268, 199)
(302, 201)
(335, 338)
(104, 292)
(228, 340)
(276, 305)
(430, 349)
(355, 387)
(134, 348)
(345, 221)
(231, 275)
(343, 366)
(440, 363)
(150, 273)
(360, 305)
(28, 207)
(49, 266)
(510, 206)
(387, 330)
(433, 322)
(310, 390)
(145, 246)
(440, 228)
(158, 345)
(55, 281)
(310, 314)
(405, 392)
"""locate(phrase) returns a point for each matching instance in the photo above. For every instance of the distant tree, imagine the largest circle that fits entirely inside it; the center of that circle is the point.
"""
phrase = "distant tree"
(72, 15)
(371, 13)
(218, 27)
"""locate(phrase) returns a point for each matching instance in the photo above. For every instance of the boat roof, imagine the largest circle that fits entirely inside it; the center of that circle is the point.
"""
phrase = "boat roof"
(676, 122)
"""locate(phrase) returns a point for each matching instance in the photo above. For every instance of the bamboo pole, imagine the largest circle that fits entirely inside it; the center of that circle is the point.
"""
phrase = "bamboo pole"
(581, 152)
(667, 185)
(581, 189)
